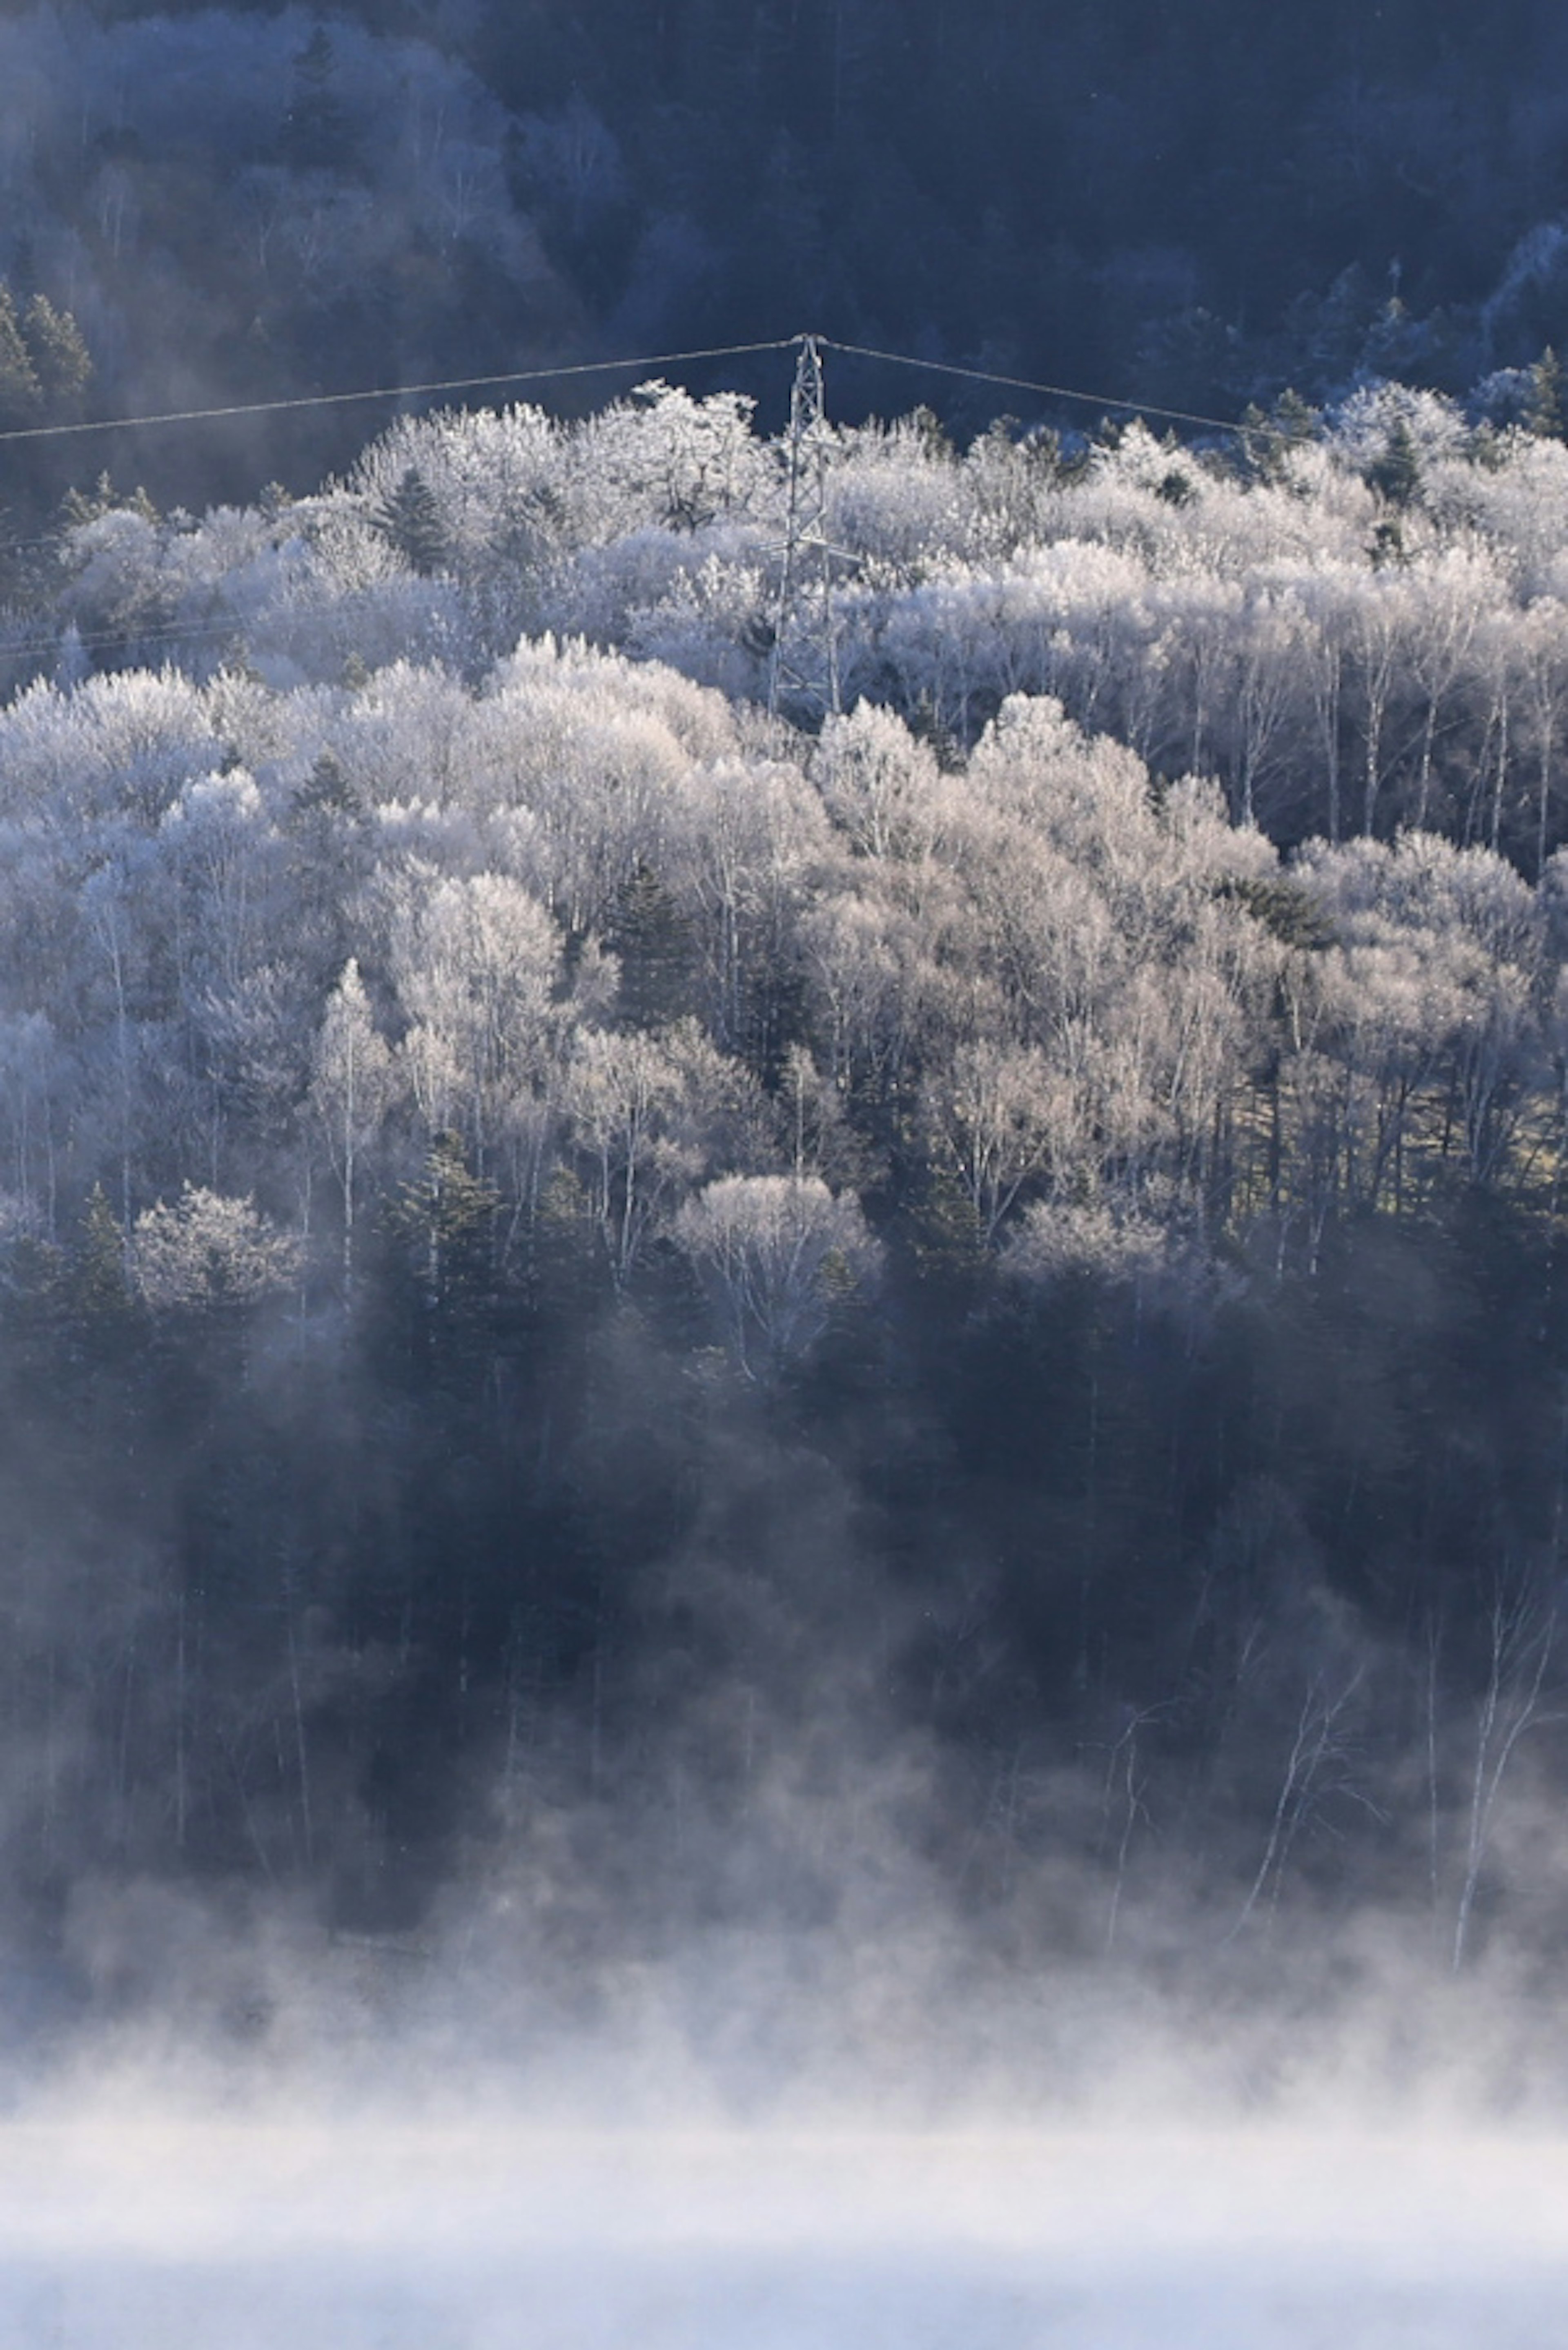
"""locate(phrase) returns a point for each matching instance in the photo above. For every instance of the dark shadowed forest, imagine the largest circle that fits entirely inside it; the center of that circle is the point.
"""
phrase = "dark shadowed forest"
(1187, 202)
(685, 1215)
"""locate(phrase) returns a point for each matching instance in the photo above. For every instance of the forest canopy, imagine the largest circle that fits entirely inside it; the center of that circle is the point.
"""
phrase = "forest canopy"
(543, 1196)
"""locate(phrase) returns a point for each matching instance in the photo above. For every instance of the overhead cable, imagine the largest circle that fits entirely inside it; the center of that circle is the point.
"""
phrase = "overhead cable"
(517, 376)
(1055, 390)
(390, 391)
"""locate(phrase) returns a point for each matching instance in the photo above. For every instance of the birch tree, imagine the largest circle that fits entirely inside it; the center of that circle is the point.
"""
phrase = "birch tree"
(352, 1087)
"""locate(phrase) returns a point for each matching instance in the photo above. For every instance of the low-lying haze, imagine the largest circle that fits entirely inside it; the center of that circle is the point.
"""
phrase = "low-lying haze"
(120, 2234)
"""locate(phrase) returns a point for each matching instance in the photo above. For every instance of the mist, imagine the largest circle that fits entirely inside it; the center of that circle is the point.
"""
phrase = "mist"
(657, 2069)
(483, 2237)
(784, 1292)
(619, 2185)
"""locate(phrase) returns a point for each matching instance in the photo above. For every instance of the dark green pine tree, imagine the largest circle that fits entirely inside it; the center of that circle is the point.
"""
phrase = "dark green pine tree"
(410, 521)
(448, 1217)
(326, 795)
(329, 856)
(60, 358)
(21, 394)
(316, 128)
(78, 505)
(1543, 410)
(1270, 437)
(99, 1287)
(101, 1325)
(1396, 475)
(651, 940)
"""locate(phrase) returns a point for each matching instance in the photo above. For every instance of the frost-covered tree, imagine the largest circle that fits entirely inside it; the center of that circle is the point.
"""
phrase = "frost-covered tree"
(779, 1253)
(353, 1085)
(204, 1252)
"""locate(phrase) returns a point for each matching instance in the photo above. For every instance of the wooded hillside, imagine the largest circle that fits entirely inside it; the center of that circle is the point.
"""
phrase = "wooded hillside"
(584, 1267)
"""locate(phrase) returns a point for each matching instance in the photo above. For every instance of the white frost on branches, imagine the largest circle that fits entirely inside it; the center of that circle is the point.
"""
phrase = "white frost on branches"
(203, 1249)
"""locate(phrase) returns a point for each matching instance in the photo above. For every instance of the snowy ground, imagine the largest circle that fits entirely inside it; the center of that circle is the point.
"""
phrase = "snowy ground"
(125, 2235)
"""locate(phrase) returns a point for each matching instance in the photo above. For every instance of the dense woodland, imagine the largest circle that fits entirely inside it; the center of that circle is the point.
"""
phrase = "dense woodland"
(608, 1290)
(1186, 202)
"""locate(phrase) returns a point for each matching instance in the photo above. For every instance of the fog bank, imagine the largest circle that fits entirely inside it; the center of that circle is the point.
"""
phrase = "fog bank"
(135, 2233)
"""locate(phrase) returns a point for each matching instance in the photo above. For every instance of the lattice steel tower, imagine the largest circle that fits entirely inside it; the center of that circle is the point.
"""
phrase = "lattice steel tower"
(803, 670)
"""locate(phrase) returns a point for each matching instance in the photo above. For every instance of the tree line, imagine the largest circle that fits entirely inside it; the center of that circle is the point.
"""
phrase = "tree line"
(1350, 620)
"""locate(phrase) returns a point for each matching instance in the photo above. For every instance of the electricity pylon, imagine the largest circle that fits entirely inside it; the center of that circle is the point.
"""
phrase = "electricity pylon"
(803, 669)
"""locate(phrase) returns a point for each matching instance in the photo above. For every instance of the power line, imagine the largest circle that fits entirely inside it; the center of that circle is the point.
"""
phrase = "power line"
(1058, 392)
(625, 366)
(171, 632)
(392, 391)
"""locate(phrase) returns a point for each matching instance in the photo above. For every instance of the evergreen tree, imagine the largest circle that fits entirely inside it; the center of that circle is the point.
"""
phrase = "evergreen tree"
(1270, 437)
(60, 358)
(315, 130)
(79, 505)
(1396, 475)
(449, 1217)
(99, 1288)
(1544, 413)
(326, 795)
(21, 394)
(410, 521)
(651, 940)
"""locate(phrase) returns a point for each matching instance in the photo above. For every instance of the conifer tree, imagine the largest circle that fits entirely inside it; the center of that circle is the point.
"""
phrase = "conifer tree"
(79, 505)
(410, 521)
(100, 1289)
(100, 1305)
(1544, 413)
(449, 1217)
(315, 127)
(1396, 475)
(61, 361)
(651, 940)
(20, 391)
(326, 795)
